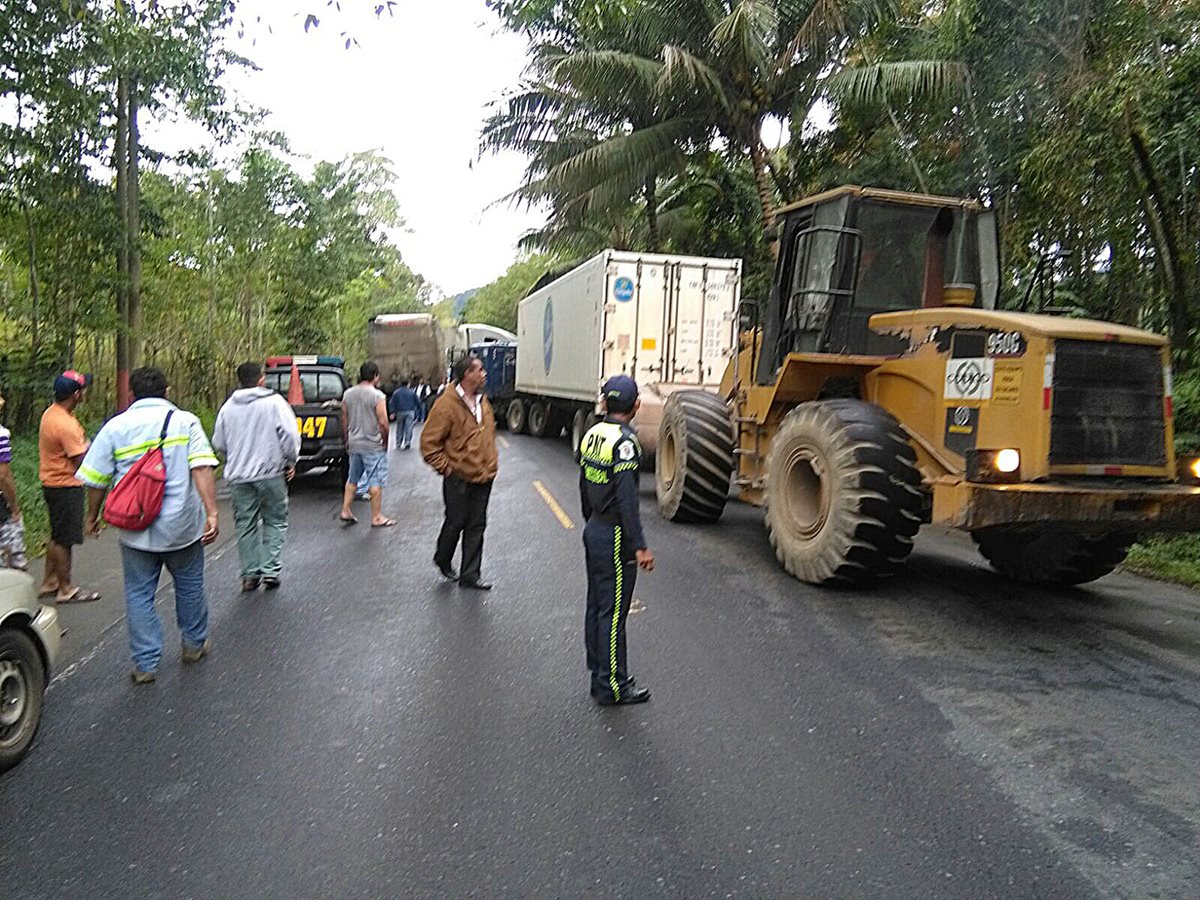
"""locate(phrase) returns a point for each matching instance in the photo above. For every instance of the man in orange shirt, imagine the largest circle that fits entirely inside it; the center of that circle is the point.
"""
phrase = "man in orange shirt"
(61, 447)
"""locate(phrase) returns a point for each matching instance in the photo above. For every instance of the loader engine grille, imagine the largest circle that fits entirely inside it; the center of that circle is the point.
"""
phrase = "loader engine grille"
(1108, 405)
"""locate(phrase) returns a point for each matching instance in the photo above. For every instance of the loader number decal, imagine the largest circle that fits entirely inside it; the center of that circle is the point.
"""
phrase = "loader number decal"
(969, 379)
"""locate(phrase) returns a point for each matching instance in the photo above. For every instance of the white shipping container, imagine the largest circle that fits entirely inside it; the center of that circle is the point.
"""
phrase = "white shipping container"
(665, 320)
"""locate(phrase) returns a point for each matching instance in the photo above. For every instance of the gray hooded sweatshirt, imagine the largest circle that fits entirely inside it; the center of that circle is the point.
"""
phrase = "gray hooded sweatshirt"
(257, 434)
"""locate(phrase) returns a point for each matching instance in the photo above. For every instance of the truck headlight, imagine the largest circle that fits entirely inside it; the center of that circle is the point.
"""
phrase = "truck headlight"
(994, 466)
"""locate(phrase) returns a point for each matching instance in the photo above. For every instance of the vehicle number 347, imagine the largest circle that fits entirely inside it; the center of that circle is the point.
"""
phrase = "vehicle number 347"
(312, 427)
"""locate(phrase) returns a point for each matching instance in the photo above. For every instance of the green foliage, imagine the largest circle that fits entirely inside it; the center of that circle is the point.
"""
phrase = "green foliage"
(496, 304)
(1173, 557)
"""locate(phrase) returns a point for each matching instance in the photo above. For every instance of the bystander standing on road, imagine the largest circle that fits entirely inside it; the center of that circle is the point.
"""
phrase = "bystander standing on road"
(614, 546)
(425, 399)
(404, 405)
(61, 446)
(459, 441)
(256, 432)
(365, 428)
(12, 529)
(187, 522)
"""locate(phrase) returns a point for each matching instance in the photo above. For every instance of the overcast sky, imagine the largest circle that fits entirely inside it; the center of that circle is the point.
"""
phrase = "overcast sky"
(417, 88)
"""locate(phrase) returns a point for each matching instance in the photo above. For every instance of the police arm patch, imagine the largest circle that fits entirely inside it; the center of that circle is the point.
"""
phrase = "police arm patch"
(626, 451)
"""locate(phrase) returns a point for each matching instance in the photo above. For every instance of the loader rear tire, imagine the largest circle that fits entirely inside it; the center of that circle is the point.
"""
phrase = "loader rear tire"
(1042, 555)
(695, 459)
(844, 495)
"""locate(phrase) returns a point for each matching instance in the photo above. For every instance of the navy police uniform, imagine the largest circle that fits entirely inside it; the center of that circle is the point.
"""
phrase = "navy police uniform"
(609, 459)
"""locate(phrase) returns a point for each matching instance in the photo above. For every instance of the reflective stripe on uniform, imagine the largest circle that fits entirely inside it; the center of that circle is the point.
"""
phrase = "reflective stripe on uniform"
(134, 450)
(612, 641)
(91, 477)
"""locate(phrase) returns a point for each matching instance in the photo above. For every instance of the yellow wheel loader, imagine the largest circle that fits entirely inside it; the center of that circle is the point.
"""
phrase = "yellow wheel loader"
(880, 389)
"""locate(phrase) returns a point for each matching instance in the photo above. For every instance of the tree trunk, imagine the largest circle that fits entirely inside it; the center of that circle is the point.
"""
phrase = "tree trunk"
(135, 232)
(35, 295)
(653, 239)
(121, 152)
(758, 158)
(1160, 219)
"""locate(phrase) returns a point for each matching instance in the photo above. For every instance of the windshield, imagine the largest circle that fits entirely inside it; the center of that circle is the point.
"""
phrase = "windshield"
(319, 387)
(910, 254)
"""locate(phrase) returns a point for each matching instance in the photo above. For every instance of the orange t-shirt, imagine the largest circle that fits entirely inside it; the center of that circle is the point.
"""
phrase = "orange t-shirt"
(60, 438)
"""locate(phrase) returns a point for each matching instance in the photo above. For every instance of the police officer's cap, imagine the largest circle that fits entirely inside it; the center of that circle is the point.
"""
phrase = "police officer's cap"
(620, 393)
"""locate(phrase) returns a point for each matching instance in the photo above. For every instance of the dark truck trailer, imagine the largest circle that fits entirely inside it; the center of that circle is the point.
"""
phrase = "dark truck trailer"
(499, 360)
(323, 381)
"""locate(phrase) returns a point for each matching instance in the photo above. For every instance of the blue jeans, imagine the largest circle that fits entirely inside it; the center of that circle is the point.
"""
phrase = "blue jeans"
(404, 428)
(368, 470)
(142, 570)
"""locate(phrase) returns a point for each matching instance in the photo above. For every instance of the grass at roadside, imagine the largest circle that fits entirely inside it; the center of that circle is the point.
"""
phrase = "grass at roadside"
(29, 490)
(1169, 558)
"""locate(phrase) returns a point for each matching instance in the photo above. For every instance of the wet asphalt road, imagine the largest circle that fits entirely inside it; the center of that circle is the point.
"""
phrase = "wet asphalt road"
(369, 731)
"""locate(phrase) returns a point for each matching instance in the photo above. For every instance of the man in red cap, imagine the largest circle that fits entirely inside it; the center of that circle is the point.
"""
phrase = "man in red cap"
(61, 448)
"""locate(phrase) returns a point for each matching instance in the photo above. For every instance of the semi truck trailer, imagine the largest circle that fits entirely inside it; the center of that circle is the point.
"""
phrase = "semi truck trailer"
(404, 345)
(668, 321)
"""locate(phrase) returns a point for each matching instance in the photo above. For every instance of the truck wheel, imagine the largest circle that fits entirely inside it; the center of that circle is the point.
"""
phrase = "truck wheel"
(844, 495)
(516, 416)
(1041, 555)
(695, 457)
(22, 684)
(580, 423)
(539, 418)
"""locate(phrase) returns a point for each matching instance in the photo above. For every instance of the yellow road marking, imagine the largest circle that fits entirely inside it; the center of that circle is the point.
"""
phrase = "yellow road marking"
(502, 441)
(554, 507)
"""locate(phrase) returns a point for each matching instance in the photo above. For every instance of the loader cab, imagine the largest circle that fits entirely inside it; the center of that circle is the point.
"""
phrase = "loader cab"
(850, 253)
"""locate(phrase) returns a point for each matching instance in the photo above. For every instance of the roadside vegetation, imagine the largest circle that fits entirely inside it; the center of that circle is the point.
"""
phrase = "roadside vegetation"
(651, 125)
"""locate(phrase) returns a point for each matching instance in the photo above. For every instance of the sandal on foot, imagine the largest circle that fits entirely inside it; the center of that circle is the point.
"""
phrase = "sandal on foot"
(80, 596)
(353, 520)
(386, 523)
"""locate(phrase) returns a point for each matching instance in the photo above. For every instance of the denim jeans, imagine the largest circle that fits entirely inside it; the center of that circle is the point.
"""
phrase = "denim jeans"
(404, 428)
(260, 512)
(142, 570)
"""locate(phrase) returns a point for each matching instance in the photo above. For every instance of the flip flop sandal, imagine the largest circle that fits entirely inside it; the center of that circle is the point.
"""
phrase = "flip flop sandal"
(350, 521)
(388, 523)
(80, 596)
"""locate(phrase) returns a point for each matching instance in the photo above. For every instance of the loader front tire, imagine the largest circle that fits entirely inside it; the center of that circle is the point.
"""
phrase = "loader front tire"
(1047, 556)
(695, 459)
(844, 495)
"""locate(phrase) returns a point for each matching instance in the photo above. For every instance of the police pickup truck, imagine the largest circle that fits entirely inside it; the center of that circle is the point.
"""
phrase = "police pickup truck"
(314, 385)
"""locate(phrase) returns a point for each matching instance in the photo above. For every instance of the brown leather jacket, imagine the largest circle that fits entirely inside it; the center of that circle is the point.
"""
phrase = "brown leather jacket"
(454, 443)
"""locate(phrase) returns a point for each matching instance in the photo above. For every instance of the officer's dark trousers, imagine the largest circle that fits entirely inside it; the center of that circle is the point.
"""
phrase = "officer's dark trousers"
(466, 517)
(611, 574)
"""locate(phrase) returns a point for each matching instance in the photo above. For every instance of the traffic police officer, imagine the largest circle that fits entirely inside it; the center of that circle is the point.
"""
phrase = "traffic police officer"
(609, 457)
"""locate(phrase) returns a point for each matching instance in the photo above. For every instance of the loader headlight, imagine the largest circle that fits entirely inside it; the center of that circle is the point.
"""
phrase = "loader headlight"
(1008, 461)
(1189, 469)
(994, 466)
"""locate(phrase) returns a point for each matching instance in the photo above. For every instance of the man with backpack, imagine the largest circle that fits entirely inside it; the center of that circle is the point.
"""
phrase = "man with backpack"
(165, 515)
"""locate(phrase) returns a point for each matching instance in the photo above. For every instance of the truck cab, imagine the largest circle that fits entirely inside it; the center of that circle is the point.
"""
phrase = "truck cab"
(314, 385)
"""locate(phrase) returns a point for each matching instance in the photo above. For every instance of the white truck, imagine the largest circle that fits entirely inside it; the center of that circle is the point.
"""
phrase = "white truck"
(668, 321)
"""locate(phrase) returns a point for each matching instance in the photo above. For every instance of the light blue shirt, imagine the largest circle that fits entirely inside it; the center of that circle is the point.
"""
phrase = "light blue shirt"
(125, 439)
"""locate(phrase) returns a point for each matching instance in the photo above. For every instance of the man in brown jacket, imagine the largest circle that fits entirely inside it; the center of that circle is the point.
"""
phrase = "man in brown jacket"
(459, 441)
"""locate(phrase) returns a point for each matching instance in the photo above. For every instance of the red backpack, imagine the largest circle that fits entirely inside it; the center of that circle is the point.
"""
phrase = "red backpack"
(136, 501)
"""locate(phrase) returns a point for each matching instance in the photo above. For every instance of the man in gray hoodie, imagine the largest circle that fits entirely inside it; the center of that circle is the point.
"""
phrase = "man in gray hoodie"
(258, 435)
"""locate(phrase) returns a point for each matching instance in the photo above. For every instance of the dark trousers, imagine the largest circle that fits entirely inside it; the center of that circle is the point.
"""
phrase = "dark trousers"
(611, 572)
(466, 517)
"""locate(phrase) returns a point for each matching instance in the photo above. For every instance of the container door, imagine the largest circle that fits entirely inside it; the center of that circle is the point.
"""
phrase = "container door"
(704, 301)
(636, 298)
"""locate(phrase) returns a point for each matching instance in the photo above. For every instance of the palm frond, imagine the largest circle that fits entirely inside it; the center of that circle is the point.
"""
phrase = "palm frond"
(748, 33)
(925, 78)
(682, 68)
